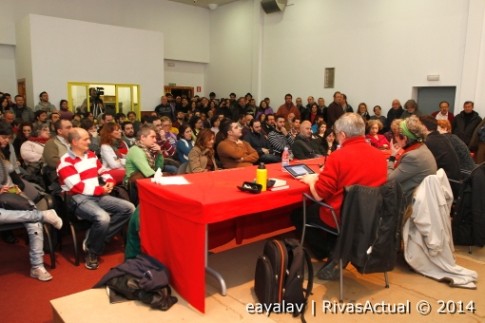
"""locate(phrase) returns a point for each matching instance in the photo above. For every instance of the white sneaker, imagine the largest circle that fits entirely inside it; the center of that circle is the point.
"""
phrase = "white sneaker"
(50, 216)
(40, 273)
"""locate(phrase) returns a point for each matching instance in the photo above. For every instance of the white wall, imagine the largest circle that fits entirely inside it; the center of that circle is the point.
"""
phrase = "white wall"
(7, 75)
(230, 68)
(380, 49)
(186, 30)
(187, 74)
(55, 63)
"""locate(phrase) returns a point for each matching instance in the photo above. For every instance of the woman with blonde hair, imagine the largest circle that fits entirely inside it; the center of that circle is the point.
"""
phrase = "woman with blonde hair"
(375, 139)
(201, 157)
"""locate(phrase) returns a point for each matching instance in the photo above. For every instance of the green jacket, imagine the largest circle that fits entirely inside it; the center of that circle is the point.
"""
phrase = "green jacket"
(137, 161)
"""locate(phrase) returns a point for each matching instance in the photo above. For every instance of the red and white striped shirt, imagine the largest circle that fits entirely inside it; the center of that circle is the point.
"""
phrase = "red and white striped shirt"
(80, 175)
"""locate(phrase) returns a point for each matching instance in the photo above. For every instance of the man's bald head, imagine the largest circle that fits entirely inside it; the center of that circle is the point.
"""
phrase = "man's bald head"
(306, 129)
(76, 134)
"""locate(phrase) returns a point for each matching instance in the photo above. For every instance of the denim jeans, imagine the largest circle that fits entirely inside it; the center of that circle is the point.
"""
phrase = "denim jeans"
(31, 220)
(107, 215)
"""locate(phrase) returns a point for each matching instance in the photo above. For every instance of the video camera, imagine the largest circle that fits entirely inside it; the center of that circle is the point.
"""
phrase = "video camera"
(99, 91)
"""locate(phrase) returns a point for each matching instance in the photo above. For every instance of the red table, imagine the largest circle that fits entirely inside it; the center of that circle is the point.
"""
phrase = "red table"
(174, 218)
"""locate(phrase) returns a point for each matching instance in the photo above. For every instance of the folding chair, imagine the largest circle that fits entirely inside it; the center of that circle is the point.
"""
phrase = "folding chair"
(384, 204)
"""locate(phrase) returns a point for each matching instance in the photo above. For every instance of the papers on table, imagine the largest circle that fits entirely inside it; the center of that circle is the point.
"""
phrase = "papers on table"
(158, 178)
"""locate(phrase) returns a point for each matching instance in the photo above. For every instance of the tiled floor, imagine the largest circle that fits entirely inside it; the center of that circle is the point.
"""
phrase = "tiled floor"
(237, 266)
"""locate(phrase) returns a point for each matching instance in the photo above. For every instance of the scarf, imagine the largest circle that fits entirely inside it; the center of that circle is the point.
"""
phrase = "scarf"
(148, 153)
(402, 152)
(38, 140)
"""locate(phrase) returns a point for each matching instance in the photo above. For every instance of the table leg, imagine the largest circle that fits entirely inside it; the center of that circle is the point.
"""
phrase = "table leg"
(209, 270)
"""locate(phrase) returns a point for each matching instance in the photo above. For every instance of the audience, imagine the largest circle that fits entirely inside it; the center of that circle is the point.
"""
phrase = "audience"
(413, 145)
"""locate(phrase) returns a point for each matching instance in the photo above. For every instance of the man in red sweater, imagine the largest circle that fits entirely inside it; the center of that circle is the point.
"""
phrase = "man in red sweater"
(356, 162)
(79, 172)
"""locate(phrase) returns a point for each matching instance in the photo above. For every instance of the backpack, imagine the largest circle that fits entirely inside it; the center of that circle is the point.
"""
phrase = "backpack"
(278, 280)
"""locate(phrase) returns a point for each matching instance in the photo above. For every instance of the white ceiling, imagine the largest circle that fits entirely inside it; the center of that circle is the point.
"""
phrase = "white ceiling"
(203, 3)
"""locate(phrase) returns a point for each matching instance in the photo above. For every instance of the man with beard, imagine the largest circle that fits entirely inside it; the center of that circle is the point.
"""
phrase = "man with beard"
(259, 141)
(128, 133)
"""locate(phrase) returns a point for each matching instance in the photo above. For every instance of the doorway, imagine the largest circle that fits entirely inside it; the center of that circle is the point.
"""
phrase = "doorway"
(188, 91)
(21, 90)
(429, 98)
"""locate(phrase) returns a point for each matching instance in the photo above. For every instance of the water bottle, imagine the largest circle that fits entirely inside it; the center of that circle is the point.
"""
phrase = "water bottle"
(285, 158)
(262, 176)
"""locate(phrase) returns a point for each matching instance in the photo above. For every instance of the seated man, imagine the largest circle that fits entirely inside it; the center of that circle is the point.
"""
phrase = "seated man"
(143, 159)
(232, 151)
(280, 138)
(78, 173)
(53, 150)
(259, 141)
(356, 162)
(304, 146)
(32, 221)
(441, 148)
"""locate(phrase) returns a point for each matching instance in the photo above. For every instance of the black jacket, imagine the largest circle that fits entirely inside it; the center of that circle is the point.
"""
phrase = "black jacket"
(468, 221)
(464, 129)
(371, 226)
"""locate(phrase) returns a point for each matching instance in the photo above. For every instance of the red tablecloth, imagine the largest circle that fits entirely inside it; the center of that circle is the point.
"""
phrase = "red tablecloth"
(174, 219)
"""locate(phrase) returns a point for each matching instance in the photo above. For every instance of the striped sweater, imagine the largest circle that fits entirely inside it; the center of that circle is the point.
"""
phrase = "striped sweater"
(80, 175)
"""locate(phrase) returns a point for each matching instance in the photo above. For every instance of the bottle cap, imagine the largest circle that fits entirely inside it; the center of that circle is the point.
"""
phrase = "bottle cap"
(261, 166)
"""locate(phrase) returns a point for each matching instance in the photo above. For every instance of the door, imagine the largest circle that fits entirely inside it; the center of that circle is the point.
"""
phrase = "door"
(430, 97)
(21, 91)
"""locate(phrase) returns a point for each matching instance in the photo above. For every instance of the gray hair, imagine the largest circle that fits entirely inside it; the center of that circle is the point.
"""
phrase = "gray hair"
(351, 124)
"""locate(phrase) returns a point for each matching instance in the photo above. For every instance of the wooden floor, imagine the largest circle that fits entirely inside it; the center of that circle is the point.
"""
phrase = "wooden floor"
(237, 266)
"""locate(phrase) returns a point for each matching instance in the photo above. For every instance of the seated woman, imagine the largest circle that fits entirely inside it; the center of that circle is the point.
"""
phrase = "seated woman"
(416, 162)
(113, 151)
(376, 140)
(461, 149)
(330, 144)
(25, 131)
(185, 143)
(378, 116)
(31, 151)
(201, 157)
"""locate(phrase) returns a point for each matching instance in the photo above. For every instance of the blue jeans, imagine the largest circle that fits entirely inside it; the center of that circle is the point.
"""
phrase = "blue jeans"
(107, 215)
(31, 221)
